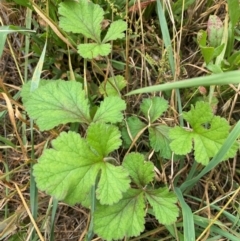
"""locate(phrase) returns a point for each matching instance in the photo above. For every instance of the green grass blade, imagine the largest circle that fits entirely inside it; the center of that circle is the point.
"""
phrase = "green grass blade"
(168, 46)
(33, 187)
(38, 70)
(235, 133)
(223, 231)
(188, 223)
(3, 38)
(7, 142)
(234, 219)
(231, 77)
(53, 215)
(90, 232)
(166, 35)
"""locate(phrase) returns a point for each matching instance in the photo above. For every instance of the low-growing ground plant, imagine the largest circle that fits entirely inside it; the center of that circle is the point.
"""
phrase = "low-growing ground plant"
(110, 154)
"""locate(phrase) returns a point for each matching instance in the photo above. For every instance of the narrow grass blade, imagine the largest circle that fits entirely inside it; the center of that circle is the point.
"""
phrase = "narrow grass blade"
(166, 35)
(234, 219)
(3, 38)
(235, 133)
(33, 187)
(223, 231)
(90, 232)
(38, 70)
(53, 215)
(7, 142)
(168, 46)
(231, 77)
(5, 30)
(188, 223)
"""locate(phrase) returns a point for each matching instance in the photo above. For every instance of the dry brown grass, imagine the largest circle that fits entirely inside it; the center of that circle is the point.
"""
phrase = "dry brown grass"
(148, 66)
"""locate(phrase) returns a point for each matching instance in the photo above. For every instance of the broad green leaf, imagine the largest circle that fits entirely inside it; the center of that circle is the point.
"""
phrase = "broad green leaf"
(142, 172)
(110, 110)
(82, 17)
(214, 30)
(208, 133)
(58, 102)
(160, 141)
(202, 38)
(26, 92)
(182, 140)
(69, 169)
(115, 31)
(123, 219)
(113, 183)
(153, 108)
(207, 53)
(112, 86)
(134, 125)
(93, 50)
(103, 138)
(164, 205)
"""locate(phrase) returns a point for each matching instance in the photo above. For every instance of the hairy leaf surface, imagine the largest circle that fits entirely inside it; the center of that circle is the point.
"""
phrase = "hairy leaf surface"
(113, 183)
(142, 172)
(110, 110)
(93, 50)
(58, 102)
(208, 133)
(81, 17)
(126, 217)
(103, 138)
(164, 205)
(134, 126)
(153, 108)
(113, 86)
(71, 167)
(160, 141)
(115, 31)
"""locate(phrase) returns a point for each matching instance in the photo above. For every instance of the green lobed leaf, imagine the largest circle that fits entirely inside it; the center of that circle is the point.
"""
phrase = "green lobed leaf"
(112, 86)
(208, 133)
(160, 141)
(113, 183)
(69, 169)
(164, 205)
(93, 50)
(181, 142)
(82, 17)
(153, 108)
(110, 110)
(26, 92)
(134, 125)
(123, 219)
(142, 172)
(103, 138)
(115, 31)
(58, 102)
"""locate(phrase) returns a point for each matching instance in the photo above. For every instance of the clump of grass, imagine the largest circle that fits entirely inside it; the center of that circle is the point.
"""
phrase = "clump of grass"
(157, 50)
